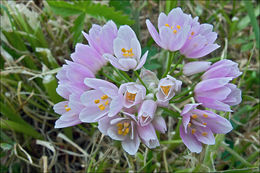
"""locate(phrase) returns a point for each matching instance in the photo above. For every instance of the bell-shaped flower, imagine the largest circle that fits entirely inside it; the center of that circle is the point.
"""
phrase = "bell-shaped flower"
(69, 111)
(167, 88)
(71, 79)
(145, 127)
(173, 29)
(121, 128)
(133, 93)
(127, 50)
(102, 100)
(223, 68)
(200, 41)
(195, 67)
(198, 127)
(217, 93)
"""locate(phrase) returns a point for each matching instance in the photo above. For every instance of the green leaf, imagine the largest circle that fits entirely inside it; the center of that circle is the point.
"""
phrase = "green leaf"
(27, 130)
(50, 85)
(77, 28)
(65, 8)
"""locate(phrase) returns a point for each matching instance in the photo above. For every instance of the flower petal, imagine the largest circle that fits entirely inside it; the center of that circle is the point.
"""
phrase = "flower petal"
(190, 141)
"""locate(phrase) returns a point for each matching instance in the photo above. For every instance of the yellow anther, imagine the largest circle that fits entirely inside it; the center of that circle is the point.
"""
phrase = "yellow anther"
(67, 109)
(193, 131)
(205, 124)
(96, 101)
(194, 116)
(126, 131)
(119, 131)
(205, 115)
(204, 133)
(123, 50)
(101, 107)
(178, 26)
(192, 33)
(126, 124)
(120, 126)
(174, 31)
(189, 124)
(189, 38)
(167, 25)
(65, 106)
(166, 89)
(104, 97)
(130, 96)
(107, 102)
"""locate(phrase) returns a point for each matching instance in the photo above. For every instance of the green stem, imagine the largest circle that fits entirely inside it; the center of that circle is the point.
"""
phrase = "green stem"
(123, 75)
(142, 82)
(169, 62)
(178, 62)
(110, 78)
(183, 99)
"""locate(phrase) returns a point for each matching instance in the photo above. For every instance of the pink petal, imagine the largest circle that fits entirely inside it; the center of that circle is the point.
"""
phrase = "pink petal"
(127, 63)
(153, 32)
(114, 61)
(159, 124)
(206, 139)
(195, 67)
(190, 141)
(142, 61)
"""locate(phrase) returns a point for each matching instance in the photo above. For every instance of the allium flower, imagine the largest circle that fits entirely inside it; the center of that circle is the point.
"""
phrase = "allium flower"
(145, 128)
(102, 100)
(217, 94)
(133, 94)
(121, 129)
(195, 67)
(173, 29)
(69, 111)
(166, 89)
(127, 50)
(223, 68)
(71, 79)
(198, 127)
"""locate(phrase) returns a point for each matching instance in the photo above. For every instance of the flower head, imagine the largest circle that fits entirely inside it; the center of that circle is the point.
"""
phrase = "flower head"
(133, 94)
(223, 68)
(102, 100)
(122, 129)
(127, 50)
(217, 93)
(146, 112)
(167, 88)
(198, 127)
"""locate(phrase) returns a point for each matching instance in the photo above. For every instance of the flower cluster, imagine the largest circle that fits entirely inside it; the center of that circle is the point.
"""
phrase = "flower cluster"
(129, 112)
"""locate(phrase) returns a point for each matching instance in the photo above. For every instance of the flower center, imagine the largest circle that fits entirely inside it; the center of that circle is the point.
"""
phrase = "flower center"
(123, 128)
(166, 89)
(67, 108)
(178, 27)
(130, 96)
(195, 121)
(127, 53)
(104, 102)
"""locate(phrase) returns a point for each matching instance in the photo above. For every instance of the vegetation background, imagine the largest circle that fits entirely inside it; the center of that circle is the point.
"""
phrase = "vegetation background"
(37, 36)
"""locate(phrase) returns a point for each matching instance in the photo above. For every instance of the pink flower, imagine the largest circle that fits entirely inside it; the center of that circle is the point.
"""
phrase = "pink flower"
(200, 41)
(173, 29)
(195, 67)
(166, 89)
(146, 112)
(133, 94)
(223, 68)
(71, 79)
(122, 129)
(127, 50)
(198, 127)
(69, 111)
(217, 94)
(102, 100)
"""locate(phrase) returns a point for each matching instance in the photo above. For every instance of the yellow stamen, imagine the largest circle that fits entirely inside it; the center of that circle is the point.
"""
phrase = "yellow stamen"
(107, 102)
(123, 50)
(126, 131)
(166, 89)
(189, 124)
(104, 97)
(194, 116)
(205, 115)
(178, 26)
(96, 101)
(120, 126)
(127, 53)
(174, 31)
(126, 124)
(192, 33)
(101, 107)
(120, 132)
(167, 25)
(193, 131)
(204, 133)
(67, 109)
(205, 124)
(189, 38)
(130, 96)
